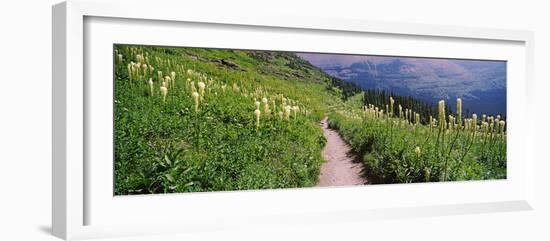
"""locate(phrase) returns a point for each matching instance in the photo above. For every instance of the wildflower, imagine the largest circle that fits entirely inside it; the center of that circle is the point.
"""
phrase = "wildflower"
(295, 109)
(159, 74)
(163, 91)
(391, 106)
(274, 106)
(130, 71)
(501, 125)
(168, 80)
(144, 67)
(441, 108)
(151, 86)
(417, 119)
(459, 111)
(417, 151)
(484, 126)
(474, 122)
(257, 104)
(201, 88)
(196, 98)
(400, 111)
(119, 58)
(266, 107)
(173, 77)
(281, 114)
(257, 114)
(451, 122)
(287, 111)
(427, 174)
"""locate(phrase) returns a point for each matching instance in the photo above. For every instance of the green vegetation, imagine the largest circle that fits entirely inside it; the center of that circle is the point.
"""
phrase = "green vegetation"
(397, 148)
(192, 126)
(192, 120)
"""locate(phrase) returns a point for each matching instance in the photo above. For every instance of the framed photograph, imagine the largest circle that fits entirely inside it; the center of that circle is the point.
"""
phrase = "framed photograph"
(168, 123)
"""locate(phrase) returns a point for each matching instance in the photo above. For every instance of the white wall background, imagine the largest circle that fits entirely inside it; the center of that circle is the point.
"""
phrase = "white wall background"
(25, 118)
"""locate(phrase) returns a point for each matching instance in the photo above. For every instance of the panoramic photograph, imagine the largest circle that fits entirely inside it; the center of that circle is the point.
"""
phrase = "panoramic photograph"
(192, 119)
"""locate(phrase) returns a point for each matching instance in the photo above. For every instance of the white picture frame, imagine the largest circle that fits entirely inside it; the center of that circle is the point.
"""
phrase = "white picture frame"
(75, 201)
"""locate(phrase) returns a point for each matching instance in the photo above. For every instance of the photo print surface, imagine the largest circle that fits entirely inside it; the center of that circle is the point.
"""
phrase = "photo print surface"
(201, 119)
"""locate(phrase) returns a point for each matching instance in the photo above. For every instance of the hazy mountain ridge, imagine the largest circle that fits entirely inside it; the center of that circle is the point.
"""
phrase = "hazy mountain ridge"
(481, 84)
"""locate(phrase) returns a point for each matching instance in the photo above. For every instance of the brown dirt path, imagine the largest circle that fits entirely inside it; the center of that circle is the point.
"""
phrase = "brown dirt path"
(340, 169)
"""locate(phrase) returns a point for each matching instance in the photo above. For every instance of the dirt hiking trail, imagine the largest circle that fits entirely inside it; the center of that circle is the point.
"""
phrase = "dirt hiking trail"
(340, 168)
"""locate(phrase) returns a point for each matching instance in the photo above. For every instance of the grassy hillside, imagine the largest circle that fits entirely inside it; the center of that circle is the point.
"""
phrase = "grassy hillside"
(175, 143)
(395, 147)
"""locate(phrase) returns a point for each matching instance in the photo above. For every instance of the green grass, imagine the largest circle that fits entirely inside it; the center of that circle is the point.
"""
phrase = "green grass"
(165, 146)
(387, 147)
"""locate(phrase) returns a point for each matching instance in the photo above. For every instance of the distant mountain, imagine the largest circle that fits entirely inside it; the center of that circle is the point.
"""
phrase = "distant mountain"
(481, 84)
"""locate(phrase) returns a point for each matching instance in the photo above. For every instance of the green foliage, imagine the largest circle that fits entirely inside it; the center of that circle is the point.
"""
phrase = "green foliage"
(165, 146)
(387, 147)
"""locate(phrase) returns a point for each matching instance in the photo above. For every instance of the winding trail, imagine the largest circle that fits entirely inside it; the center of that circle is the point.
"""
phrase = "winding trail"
(340, 168)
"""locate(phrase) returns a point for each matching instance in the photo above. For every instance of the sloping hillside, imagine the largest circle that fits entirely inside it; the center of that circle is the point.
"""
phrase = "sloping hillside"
(186, 120)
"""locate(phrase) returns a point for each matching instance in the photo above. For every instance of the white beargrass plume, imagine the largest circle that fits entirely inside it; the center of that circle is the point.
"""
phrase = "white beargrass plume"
(257, 105)
(266, 105)
(168, 81)
(173, 77)
(281, 114)
(474, 123)
(195, 96)
(295, 109)
(130, 71)
(151, 86)
(287, 111)
(201, 89)
(119, 58)
(274, 106)
(159, 74)
(459, 111)
(391, 107)
(485, 127)
(417, 151)
(164, 91)
(491, 123)
(417, 119)
(441, 109)
(144, 67)
(501, 126)
(257, 114)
